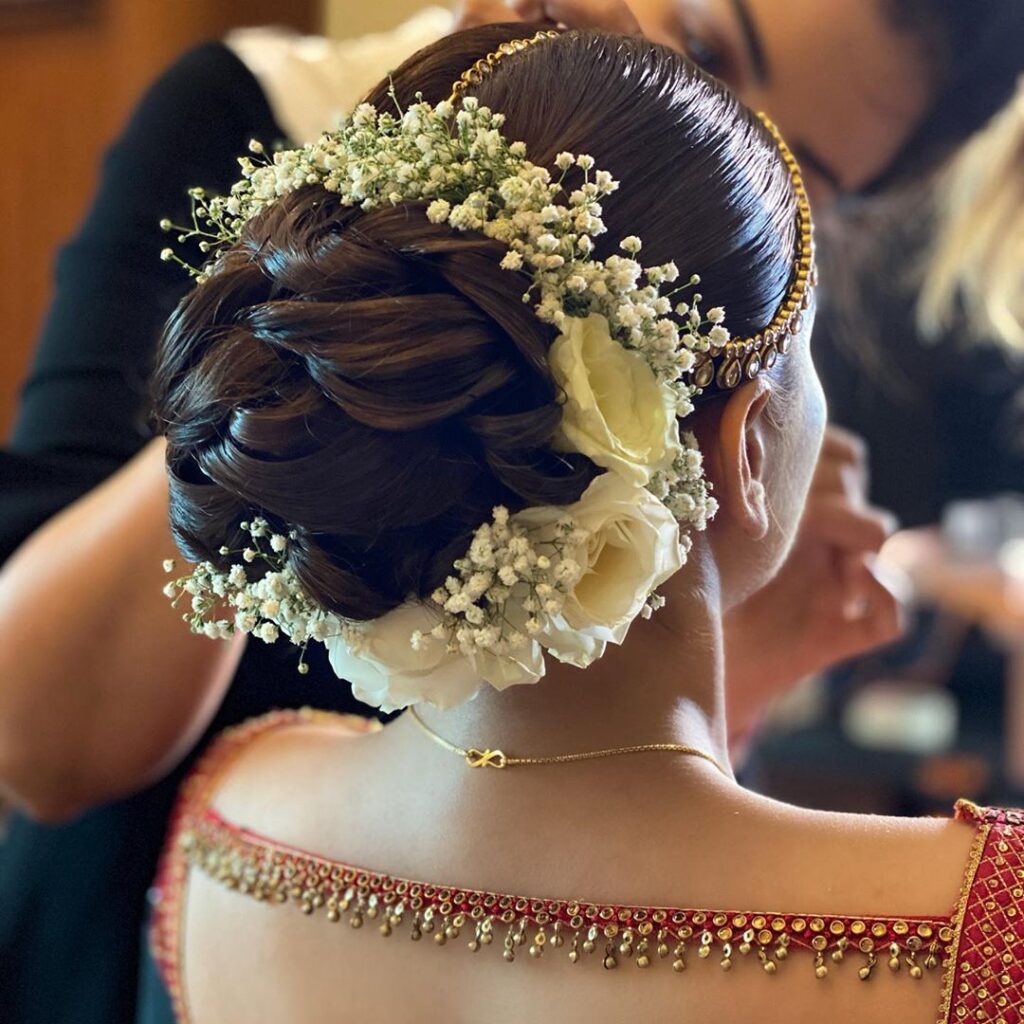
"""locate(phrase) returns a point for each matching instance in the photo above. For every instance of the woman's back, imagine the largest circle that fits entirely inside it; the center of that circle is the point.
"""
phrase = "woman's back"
(420, 410)
(316, 786)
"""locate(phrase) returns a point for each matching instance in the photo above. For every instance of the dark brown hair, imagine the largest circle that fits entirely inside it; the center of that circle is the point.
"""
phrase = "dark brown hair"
(375, 382)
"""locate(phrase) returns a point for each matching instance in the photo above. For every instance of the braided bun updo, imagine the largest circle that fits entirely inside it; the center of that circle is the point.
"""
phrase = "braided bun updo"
(375, 383)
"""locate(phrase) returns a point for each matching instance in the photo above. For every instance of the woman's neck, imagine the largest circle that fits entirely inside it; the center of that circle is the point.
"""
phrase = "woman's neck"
(664, 685)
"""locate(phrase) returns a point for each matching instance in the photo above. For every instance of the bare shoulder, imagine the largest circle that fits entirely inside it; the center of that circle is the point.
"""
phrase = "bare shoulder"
(279, 778)
(878, 862)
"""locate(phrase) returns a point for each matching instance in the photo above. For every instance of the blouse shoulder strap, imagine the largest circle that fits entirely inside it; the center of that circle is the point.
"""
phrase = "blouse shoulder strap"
(193, 799)
(985, 969)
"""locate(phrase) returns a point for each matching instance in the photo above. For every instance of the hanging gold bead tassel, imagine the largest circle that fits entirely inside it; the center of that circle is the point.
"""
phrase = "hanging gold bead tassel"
(510, 944)
(865, 972)
(894, 957)
(610, 963)
(726, 962)
(679, 964)
(820, 970)
(915, 968)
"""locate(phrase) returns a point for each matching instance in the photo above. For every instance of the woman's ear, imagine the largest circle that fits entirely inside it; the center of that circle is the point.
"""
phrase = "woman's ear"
(739, 458)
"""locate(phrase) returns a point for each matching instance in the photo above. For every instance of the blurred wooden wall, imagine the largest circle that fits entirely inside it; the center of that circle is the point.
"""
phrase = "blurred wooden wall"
(70, 73)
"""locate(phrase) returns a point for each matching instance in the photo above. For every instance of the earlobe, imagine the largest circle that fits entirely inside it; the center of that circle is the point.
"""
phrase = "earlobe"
(741, 461)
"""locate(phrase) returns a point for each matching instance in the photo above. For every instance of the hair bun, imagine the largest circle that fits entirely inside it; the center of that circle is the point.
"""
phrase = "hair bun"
(368, 379)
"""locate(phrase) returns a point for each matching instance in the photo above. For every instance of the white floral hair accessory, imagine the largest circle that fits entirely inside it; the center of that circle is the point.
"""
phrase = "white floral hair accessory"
(563, 581)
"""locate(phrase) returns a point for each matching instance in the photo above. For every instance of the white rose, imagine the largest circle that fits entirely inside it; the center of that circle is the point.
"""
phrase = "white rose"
(386, 672)
(632, 549)
(568, 645)
(616, 411)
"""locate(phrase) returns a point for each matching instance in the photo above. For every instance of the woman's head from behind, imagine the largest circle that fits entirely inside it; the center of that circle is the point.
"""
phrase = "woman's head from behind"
(373, 382)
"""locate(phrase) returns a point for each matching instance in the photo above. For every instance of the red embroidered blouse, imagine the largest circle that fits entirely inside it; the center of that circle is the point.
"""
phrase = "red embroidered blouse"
(979, 945)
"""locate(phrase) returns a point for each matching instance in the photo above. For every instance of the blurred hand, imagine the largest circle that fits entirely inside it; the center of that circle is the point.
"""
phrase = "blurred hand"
(826, 604)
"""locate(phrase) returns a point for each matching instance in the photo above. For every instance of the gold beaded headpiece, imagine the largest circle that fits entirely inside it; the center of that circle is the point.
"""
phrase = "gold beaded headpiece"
(481, 68)
(740, 359)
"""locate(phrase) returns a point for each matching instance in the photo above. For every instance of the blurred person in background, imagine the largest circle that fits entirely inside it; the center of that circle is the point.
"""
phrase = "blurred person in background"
(118, 728)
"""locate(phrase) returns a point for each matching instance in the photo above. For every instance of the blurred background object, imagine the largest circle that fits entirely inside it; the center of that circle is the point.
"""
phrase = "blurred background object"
(939, 715)
(70, 72)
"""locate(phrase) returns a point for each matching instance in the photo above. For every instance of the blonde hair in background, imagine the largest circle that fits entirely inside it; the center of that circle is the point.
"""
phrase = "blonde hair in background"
(977, 257)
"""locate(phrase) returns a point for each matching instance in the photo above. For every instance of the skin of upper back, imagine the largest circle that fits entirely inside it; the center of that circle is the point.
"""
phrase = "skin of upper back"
(383, 803)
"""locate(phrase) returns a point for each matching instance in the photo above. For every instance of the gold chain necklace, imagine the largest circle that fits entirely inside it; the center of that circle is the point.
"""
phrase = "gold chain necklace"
(477, 758)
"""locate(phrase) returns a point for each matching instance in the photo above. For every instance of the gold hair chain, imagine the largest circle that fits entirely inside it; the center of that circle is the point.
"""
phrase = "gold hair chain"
(476, 757)
(481, 68)
(740, 359)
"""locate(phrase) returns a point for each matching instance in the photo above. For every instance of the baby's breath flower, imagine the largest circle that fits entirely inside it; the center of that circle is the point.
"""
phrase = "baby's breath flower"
(463, 173)
(507, 574)
(268, 633)
(438, 210)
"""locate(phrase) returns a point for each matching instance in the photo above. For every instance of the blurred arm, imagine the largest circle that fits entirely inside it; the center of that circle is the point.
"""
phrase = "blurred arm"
(102, 686)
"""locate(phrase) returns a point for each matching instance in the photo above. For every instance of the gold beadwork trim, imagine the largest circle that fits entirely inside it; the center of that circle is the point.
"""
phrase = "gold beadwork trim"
(953, 951)
(251, 865)
(477, 758)
(742, 359)
(485, 65)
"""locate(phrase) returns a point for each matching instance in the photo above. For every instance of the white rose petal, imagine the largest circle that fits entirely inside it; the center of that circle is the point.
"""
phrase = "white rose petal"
(385, 672)
(632, 547)
(616, 411)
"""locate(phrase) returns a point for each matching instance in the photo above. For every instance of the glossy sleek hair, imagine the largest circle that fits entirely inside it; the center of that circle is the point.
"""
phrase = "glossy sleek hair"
(976, 51)
(375, 382)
